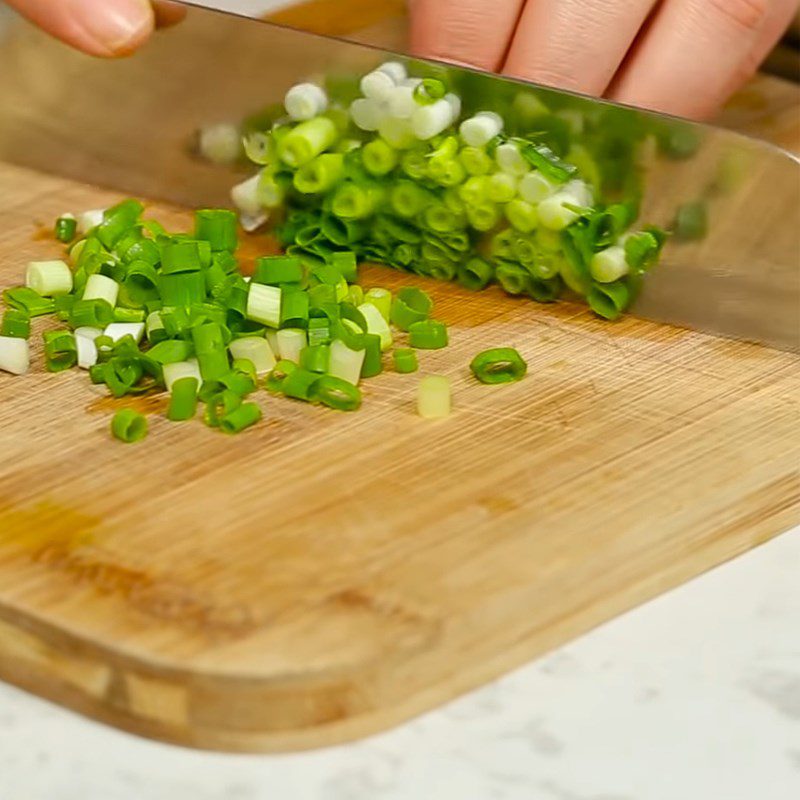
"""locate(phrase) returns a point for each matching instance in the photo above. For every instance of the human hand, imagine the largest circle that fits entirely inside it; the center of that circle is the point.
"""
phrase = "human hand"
(684, 57)
(100, 27)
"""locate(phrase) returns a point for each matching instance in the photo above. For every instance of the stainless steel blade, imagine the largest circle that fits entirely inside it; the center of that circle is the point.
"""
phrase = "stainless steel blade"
(129, 124)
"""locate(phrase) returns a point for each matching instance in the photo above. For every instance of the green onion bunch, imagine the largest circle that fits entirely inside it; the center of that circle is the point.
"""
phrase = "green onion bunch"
(539, 199)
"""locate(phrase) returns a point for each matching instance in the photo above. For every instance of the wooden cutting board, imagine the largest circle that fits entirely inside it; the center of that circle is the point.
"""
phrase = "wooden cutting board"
(326, 576)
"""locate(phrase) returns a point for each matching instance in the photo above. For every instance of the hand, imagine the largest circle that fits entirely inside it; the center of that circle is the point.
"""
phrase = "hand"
(685, 57)
(100, 27)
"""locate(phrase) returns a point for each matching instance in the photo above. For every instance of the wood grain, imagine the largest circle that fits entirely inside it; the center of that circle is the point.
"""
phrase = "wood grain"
(327, 576)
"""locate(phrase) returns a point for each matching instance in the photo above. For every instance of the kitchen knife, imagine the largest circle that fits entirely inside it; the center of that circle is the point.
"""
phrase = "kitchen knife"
(128, 125)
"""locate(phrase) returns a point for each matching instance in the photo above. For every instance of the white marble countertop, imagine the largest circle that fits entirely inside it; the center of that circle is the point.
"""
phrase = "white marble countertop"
(694, 696)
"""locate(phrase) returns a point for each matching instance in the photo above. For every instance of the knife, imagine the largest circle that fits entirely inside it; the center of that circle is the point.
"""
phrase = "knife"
(126, 125)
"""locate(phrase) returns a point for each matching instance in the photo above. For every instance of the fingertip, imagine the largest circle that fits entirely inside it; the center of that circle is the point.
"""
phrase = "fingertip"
(111, 29)
(168, 14)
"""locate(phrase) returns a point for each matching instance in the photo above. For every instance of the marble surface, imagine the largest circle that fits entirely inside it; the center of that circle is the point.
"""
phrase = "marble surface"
(694, 696)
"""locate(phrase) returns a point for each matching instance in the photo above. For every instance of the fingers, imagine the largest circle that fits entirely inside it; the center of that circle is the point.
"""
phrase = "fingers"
(474, 32)
(574, 44)
(99, 27)
(696, 52)
(168, 14)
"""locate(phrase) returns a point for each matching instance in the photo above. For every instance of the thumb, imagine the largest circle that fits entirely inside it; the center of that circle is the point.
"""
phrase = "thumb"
(98, 27)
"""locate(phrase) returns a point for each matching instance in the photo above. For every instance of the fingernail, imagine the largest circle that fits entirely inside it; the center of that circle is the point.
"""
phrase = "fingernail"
(116, 25)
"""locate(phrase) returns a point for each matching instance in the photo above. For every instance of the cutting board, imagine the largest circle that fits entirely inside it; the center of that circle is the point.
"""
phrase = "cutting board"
(326, 576)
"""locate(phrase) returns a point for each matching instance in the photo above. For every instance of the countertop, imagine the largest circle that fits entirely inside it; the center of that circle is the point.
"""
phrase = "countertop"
(694, 696)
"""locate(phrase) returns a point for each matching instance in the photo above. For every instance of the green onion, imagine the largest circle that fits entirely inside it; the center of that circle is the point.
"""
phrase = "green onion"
(66, 228)
(29, 301)
(346, 362)
(278, 271)
(346, 263)
(315, 358)
(294, 309)
(279, 374)
(307, 141)
(264, 304)
(183, 400)
(16, 324)
(129, 426)
(609, 300)
(218, 227)
(336, 393)
(319, 331)
(548, 163)
(434, 398)
(60, 350)
(241, 418)
(299, 383)
(256, 350)
(379, 158)
(220, 405)
(381, 299)
(320, 175)
(476, 274)
(428, 335)
(512, 277)
(411, 305)
(500, 365)
(373, 361)
(405, 360)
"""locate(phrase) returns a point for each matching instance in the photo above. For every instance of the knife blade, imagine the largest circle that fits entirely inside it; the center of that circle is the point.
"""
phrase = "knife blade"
(127, 124)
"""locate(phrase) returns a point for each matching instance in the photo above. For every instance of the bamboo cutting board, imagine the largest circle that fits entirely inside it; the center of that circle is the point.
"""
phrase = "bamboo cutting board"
(326, 576)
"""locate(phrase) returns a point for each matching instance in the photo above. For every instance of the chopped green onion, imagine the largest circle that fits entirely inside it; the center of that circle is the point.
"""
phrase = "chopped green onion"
(320, 175)
(14, 355)
(60, 350)
(377, 324)
(315, 358)
(373, 361)
(129, 426)
(256, 350)
(411, 305)
(434, 397)
(346, 263)
(475, 274)
(291, 342)
(182, 369)
(183, 400)
(278, 271)
(428, 334)
(381, 299)
(217, 227)
(220, 406)
(241, 418)
(100, 287)
(276, 378)
(91, 314)
(542, 158)
(405, 360)
(264, 304)
(16, 324)
(336, 393)
(346, 363)
(609, 300)
(307, 141)
(29, 301)
(49, 278)
(299, 383)
(66, 228)
(294, 309)
(500, 365)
